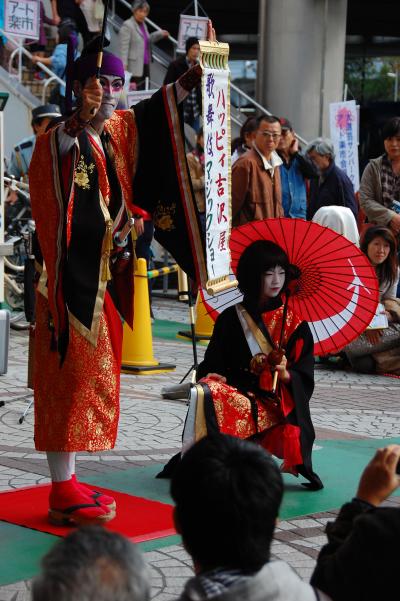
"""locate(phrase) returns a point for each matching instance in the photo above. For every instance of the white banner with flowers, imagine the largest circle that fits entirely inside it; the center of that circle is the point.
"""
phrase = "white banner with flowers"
(344, 135)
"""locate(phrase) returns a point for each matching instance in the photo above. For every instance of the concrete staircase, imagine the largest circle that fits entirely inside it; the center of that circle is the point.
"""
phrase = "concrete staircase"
(37, 86)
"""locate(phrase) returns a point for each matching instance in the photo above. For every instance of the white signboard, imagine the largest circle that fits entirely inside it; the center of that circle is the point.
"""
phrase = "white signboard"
(344, 135)
(217, 158)
(22, 18)
(191, 27)
(136, 96)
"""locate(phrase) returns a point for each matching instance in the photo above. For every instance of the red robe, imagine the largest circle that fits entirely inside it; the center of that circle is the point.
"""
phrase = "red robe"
(242, 407)
(78, 201)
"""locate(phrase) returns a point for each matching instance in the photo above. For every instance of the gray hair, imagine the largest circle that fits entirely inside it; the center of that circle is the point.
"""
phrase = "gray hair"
(92, 563)
(137, 4)
(322, 146)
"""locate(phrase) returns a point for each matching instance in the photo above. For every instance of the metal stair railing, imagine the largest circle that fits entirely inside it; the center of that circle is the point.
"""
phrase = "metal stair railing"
(20, 50)
(244, 99)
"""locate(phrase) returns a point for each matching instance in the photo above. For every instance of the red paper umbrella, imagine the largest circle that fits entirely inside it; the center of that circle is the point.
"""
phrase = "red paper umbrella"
(337, 292)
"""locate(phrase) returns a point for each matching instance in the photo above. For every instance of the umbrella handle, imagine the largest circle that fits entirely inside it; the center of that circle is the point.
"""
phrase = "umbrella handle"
(98, 68)
(275, 381)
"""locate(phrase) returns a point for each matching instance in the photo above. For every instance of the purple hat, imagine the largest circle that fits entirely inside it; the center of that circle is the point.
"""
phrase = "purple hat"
(85, 66)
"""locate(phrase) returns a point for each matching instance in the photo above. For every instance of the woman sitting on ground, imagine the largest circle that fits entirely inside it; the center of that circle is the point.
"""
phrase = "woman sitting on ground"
(235, 394)
(378, 350)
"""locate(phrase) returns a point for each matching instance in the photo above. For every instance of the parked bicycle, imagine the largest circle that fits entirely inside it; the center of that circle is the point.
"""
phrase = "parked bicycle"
(18, 267)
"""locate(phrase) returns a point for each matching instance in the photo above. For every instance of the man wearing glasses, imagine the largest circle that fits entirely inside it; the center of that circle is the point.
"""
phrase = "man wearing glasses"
(256, 182)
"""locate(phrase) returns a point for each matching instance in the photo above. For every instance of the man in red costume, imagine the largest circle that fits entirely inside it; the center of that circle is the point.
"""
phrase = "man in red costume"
(87, 179)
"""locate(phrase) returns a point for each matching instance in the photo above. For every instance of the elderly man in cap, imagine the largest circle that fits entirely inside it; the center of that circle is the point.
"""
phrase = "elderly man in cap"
(89, 176)
(295, 169)
(22, 153)
(193, 102)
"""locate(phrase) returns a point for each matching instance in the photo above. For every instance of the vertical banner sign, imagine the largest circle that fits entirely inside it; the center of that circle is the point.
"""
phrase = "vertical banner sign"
(191, 26)
(22, 18)
(217, 163)
(344, 135)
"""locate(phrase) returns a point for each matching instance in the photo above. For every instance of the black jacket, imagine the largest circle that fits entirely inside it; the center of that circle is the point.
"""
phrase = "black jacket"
(228, 354)
(334, 189)
(360, 561)
(177, 68)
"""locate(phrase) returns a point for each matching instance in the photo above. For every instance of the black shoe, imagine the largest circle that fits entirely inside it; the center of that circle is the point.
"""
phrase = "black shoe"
(314, 483)
(170, 467)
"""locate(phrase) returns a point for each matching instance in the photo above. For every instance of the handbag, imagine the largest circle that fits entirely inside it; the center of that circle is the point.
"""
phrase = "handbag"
(390, 338)
(388, 361)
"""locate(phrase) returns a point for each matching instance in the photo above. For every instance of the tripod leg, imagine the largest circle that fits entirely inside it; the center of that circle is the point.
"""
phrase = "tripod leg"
(22, 418)
(192, 367)
(192, 330)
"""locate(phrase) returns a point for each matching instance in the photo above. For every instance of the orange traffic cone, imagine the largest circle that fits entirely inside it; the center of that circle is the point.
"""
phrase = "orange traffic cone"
(137, 346)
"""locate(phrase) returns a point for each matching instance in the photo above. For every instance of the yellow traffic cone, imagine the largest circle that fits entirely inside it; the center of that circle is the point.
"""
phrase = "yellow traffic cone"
(204, 324)
(137, 346)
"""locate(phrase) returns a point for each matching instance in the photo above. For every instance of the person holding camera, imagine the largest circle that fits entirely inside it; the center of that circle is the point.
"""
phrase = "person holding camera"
(360, 561)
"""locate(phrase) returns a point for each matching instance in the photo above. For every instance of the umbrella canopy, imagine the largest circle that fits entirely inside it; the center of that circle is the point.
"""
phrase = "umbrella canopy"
(337, 292)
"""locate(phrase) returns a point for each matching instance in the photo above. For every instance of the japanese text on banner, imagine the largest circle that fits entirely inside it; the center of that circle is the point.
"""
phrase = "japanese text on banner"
(343, 128)
(189, 27)
(22, 17)
(217, 170)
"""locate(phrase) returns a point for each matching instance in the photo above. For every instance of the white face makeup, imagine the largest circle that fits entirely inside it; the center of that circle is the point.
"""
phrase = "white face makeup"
(112, 90)
(273, 281)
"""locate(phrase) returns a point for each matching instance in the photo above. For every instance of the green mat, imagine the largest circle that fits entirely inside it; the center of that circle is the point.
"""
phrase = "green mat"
(168, 329)
(338, 462)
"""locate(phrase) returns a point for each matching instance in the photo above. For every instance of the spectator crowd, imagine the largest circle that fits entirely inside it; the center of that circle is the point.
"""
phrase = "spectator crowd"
(272, 176)
(227, 495)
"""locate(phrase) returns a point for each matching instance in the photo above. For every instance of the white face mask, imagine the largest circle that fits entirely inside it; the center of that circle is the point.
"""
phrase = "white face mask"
(112, 90)
(273, 281)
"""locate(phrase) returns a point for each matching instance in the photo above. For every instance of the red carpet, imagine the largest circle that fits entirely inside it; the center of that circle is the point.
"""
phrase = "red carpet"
(137, 518)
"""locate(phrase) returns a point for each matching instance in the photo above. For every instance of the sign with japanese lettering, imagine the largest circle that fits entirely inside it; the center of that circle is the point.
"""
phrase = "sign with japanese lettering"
(22, 18)
(136, 96)
(344, 135)
(191, 27)
(217, 159)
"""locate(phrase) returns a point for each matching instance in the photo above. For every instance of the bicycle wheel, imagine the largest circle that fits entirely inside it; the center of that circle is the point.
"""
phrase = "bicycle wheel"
(13, 294)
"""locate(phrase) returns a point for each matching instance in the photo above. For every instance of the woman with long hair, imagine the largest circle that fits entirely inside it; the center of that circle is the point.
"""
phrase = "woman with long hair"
(250, 343)
(376, 350)
(246, 138)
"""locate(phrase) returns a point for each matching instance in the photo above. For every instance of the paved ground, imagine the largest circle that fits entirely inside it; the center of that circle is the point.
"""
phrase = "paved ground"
(344, 405)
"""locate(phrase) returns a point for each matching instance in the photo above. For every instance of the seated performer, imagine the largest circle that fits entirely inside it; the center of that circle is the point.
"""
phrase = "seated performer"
(85, 175)
(235, 394)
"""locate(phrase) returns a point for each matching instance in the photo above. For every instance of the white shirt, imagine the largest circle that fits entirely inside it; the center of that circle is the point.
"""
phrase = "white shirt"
(273, 163)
